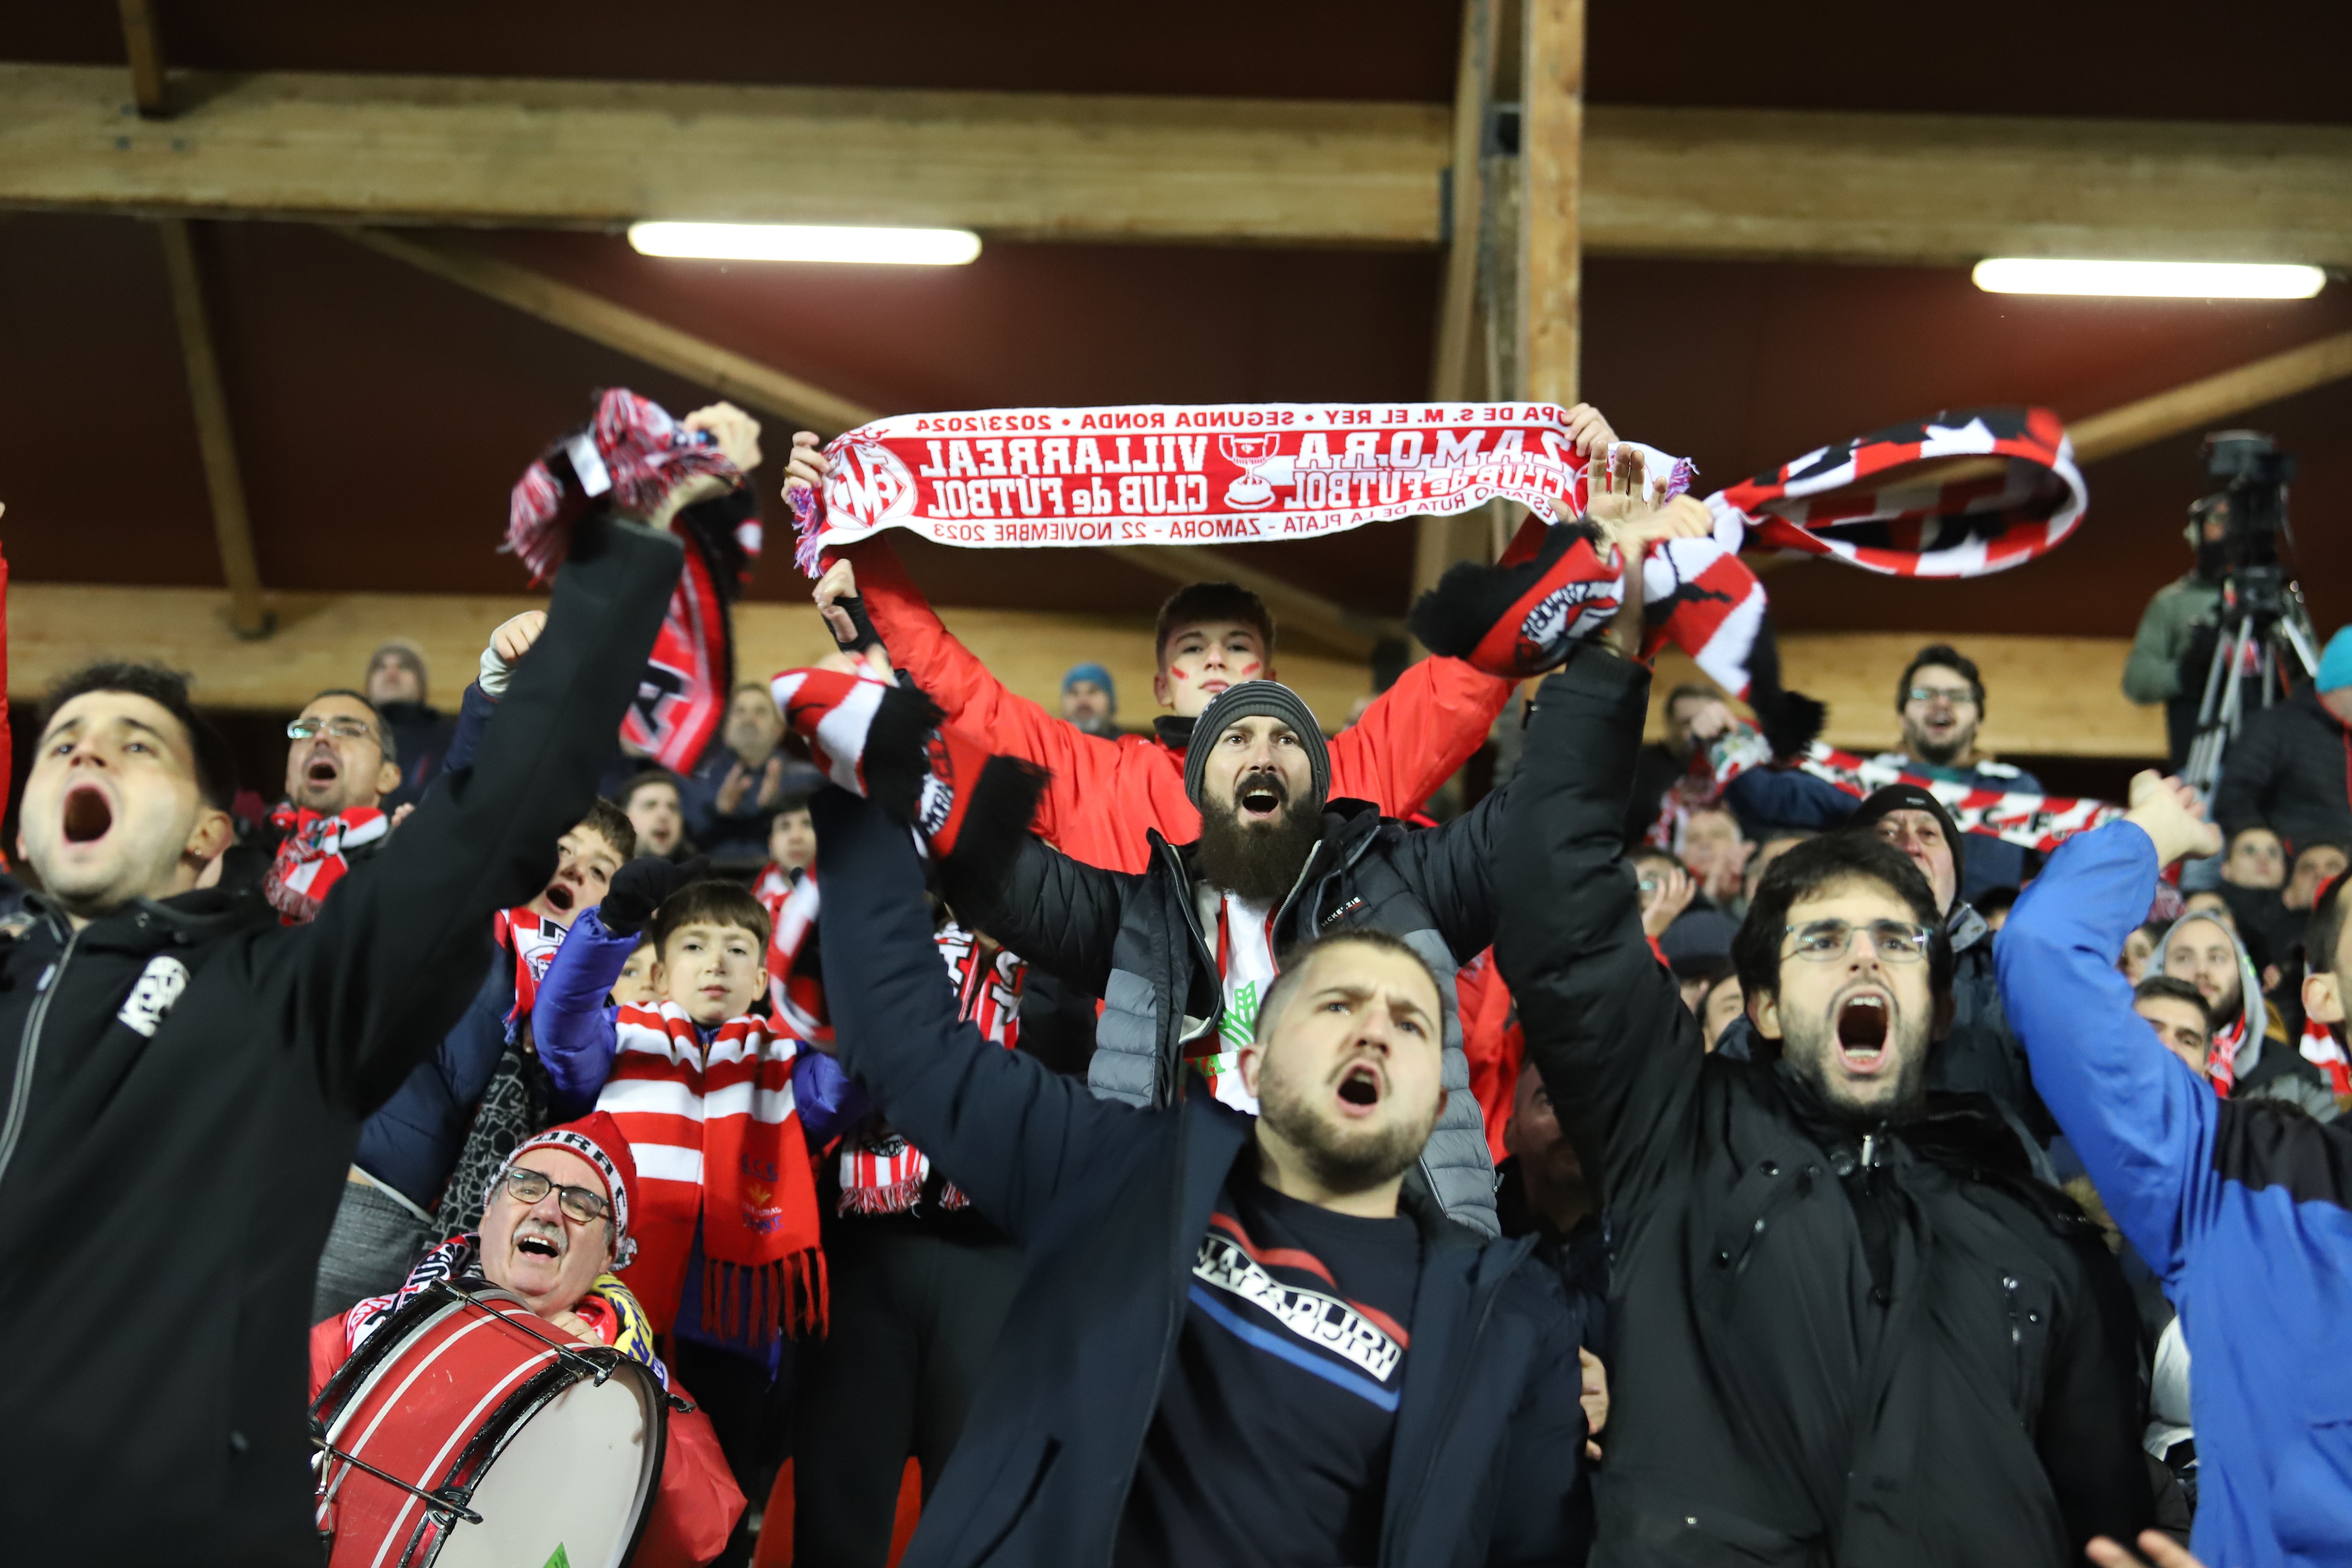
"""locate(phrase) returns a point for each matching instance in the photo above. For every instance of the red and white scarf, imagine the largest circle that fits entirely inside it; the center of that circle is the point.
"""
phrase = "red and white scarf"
(835, 714)
(532, 940)
(1186, 475)
(880, 1171)
(717, 1138)
(2032, 821)
(315, 855)
(631, 456)
(2323, 1050)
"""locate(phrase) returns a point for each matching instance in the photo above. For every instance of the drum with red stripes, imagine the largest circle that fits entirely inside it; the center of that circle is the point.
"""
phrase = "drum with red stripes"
(468, 1433)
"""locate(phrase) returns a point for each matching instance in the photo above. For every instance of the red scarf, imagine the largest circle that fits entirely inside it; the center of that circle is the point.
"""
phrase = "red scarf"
(718, 1140)
(2323, 1050)
(532, 940)
(315, 855)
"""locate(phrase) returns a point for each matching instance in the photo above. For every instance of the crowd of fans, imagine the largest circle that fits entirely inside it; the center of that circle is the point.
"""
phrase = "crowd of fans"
(1191, 1152)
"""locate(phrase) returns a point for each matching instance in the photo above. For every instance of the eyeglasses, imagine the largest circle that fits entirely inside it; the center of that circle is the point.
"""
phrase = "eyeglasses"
(1955, 695)
(1895, 941)
(340, 728)
(529, 1186)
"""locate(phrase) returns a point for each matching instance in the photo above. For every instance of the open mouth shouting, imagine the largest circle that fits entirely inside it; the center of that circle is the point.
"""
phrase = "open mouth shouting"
(88, 815)
(1363, 1087)
(538, 1244)
(560, 897)
(1260, 797)
(322, 770)
(1863, 1021)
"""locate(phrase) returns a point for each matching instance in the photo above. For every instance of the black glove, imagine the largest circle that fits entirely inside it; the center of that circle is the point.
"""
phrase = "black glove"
(862, 635)
(639, 888)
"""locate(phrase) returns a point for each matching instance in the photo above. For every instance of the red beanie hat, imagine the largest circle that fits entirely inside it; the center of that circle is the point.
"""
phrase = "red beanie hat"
(597, 1138)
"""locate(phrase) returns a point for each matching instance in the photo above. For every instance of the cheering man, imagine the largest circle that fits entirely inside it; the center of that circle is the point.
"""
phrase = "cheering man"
(185, 1078)
(1849, 1325)
(1237, 1341)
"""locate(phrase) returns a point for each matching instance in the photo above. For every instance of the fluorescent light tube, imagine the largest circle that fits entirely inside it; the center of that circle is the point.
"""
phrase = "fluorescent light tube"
(806, 242)
(2150, 280)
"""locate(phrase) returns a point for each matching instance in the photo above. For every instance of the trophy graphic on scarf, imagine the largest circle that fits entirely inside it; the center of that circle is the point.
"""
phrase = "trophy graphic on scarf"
(1249, 453)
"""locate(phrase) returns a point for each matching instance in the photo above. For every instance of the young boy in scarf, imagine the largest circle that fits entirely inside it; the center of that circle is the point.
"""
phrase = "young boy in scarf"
(723, 1107)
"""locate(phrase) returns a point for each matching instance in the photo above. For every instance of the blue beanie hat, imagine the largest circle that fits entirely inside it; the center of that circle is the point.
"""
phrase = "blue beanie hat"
(2336, 661)
(1095, 673)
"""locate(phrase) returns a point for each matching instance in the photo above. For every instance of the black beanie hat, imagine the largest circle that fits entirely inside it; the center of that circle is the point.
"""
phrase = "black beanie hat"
(1911, 797)
(1254, 700)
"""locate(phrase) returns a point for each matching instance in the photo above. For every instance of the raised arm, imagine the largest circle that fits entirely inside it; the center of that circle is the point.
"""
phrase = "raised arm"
(1416, 734)
(2141, 1119)
(1452, 870)
(1057, 913)
(570, 1022)
(1604, 1022)
(1007, 1130)
(377, 979)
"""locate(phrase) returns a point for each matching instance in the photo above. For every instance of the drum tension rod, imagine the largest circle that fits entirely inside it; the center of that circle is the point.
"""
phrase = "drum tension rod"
(449, 1502)
(575, 1358)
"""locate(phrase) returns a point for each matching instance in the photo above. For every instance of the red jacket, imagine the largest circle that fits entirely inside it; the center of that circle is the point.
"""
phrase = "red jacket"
(1106, 793)
(699, 1503)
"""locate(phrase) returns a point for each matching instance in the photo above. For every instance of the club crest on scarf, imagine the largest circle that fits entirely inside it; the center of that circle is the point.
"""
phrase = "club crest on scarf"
(316, 854)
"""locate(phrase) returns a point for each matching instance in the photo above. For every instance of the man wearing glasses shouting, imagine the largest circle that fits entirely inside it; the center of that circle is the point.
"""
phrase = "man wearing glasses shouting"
(339, 767)
(1850, 1326)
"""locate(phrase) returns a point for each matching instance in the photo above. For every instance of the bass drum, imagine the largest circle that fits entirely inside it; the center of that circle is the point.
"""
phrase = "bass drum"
(552, 1446)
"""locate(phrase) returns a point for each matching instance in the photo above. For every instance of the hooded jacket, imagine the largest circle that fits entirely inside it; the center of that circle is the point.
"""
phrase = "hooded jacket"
(1108, 1203)
(2244, 1212)
(2290, 769)
(184, 1080)
(2264, 1063)
(1106, 794)
(1778, 1397)
(1135, 940)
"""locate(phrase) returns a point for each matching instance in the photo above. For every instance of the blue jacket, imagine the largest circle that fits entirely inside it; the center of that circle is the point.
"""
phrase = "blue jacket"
(1789, 798)
(2241, 1210)
(1108, 1203)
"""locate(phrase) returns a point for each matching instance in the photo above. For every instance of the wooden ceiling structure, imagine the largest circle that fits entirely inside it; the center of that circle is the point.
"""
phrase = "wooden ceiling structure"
(384, 267)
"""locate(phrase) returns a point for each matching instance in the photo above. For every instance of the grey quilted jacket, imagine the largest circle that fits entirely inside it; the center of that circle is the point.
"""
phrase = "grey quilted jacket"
(1135, 940)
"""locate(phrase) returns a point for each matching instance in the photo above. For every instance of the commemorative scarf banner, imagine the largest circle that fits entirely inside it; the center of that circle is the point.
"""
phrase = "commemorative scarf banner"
(2033, 821)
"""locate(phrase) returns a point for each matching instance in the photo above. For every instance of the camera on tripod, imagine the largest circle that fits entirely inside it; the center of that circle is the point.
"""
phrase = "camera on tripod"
(2264, 632)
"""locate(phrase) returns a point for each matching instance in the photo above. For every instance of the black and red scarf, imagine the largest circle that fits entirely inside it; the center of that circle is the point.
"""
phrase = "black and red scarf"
(318, 851)
(629, 458)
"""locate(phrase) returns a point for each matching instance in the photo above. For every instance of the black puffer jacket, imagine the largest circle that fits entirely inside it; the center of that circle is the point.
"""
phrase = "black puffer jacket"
(1773, 1400)
(1135, 940)
(183, 1083)
(2289, 770)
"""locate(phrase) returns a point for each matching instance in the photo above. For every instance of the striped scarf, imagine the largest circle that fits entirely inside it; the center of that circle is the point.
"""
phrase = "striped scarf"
(719, 1144)
(532, 938)
(316, 852)
(880, 1171)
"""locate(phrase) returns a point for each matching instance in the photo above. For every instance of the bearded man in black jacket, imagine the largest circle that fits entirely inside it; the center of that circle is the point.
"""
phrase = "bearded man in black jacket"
(1848, 1325)
(183, 1077)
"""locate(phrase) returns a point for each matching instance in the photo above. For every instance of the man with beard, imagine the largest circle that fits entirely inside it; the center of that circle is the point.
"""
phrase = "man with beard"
(2251, 1056)
(1941, 701)
(1183, 952)
(1238, 1340)
(185, 1078)
(1848, 1325)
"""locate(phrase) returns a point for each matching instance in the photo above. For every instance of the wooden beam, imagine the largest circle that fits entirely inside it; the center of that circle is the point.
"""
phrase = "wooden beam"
(771, 391)
(216, 437)
(145, 45)
(2049, 696)
(731, 375)
(1440, 542)
(1669, 182)
(2206, 401)
(324, 639)
(1552, 155)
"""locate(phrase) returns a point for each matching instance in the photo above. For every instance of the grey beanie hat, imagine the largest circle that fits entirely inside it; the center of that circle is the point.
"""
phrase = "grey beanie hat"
(1254, 700)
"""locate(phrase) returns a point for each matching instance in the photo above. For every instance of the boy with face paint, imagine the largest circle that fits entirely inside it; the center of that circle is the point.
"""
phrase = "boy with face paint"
(1110, 792)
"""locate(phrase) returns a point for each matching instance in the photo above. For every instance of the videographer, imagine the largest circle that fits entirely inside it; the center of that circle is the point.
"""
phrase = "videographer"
(2173, 649)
